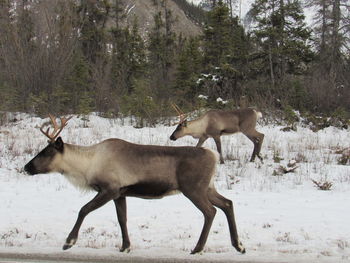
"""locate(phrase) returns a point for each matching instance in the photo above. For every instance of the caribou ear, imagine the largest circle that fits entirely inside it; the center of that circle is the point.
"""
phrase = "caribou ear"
(59, 144)
(185, 123)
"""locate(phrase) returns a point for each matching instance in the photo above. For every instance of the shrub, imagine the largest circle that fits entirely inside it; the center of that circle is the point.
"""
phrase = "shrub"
(140, 104)
(325, 186)
(290, 115)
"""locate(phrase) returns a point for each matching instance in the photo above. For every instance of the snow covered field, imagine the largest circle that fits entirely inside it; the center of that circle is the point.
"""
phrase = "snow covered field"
(280, 217)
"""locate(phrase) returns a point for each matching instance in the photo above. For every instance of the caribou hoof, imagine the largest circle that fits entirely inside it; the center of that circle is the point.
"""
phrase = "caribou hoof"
(65, 247)
(242, 251)
(240, 248)
(125, 249)
(69, 244)
(196, 251)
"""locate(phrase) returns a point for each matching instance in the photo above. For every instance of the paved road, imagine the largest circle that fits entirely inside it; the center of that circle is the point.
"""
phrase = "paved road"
(54, 258)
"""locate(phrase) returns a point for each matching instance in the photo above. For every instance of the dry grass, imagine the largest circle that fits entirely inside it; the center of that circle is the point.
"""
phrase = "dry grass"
(324, 186)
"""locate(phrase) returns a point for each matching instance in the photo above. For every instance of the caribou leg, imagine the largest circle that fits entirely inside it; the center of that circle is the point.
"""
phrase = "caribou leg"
(226, 206)
(258, 148)
(120, 205)
(201, 140)
(218, 147)
(257, 139)
(201, 201)
(99, 200)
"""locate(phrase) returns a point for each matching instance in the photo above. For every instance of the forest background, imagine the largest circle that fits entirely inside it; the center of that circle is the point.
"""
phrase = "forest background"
(84, 56)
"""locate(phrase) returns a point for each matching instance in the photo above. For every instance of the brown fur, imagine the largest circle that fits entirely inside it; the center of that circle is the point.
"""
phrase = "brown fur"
(215, 123)
(117, 169)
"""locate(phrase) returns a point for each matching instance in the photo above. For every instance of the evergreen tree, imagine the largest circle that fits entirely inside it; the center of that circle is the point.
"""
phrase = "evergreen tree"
(225, 52)
(329, 72)
(217, 36)
(128, 58)
(330, 33)
(94, 16)
(189, 66)
(281, 36)
(93, 41)
(78, 87)
(161, 54)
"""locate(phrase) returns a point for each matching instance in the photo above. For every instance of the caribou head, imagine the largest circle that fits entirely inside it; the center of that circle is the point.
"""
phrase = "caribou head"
(180, 130)
(44, 161)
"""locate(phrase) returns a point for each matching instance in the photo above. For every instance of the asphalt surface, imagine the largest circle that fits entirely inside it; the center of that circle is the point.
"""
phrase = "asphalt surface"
(54, 258)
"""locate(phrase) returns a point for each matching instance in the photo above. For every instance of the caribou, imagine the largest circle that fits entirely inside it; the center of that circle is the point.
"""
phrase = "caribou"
(117, 169)
(215, 123)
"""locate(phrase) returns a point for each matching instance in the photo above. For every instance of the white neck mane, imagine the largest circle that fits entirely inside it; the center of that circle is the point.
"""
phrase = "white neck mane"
(76, 163)
(196, 127)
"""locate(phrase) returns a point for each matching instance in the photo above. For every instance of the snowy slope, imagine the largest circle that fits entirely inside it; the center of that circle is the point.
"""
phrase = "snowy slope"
(280, 218)
(242, 7)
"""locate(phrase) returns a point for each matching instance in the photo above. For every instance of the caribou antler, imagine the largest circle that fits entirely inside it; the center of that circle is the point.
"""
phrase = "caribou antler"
(182, 115)
(56, 129)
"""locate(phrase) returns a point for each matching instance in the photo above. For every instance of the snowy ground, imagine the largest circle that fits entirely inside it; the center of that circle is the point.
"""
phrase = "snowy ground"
(280, 217)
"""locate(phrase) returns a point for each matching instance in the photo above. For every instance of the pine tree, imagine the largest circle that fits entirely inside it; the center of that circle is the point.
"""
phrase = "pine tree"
(161, 54)
(281, 36)
(217, 36)
(225, 53)
(128, 58)
(189, 66)
(330, 72)
(78, 85)
(93, 41)
(94, 16)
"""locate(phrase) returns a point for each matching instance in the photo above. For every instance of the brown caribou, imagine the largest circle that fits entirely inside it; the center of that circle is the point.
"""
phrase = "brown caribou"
(116, 169)
(215, 123)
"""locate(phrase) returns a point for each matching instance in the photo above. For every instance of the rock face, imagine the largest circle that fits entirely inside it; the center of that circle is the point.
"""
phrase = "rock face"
(145, 10)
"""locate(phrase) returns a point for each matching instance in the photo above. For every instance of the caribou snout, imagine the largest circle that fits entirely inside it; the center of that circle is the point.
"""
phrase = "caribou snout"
(30, 169)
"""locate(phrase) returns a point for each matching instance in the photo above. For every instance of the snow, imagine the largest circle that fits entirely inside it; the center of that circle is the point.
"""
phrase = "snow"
(280, 217)
(201, 96)
(220, 100)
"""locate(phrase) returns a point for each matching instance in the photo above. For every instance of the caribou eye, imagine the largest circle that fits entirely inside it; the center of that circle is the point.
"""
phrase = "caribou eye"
(49, 151)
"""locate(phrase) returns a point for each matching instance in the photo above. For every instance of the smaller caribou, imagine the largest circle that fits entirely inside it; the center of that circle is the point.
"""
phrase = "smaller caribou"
(215, 123)
(116, 169)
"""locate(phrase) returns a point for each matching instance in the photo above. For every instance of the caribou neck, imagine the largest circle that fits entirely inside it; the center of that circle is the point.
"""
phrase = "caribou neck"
(75, 163)
(196, 127)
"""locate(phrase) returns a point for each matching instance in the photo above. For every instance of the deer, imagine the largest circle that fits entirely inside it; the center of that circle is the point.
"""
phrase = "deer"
(117, 169)
(215, 123)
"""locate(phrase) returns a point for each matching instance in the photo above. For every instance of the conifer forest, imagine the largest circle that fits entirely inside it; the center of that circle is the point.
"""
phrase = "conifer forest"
(71, 56)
